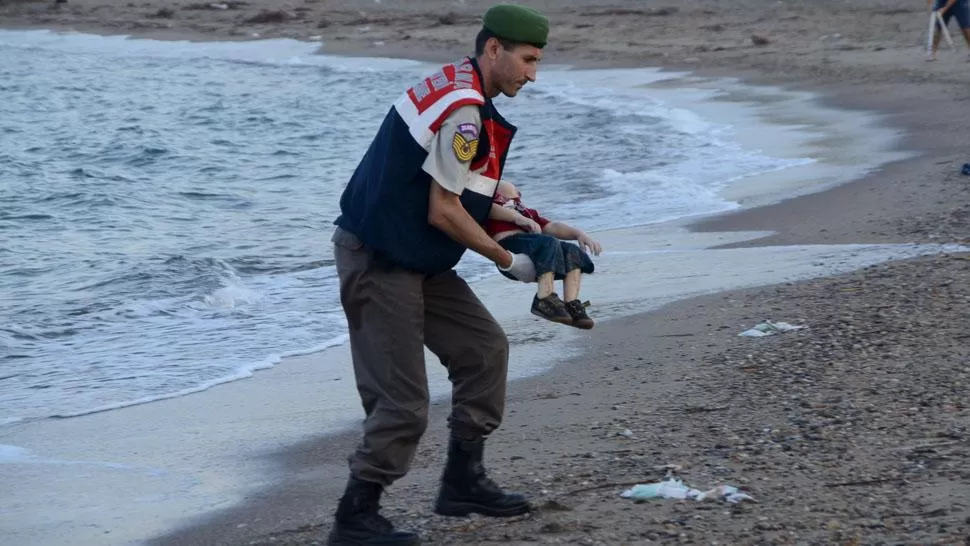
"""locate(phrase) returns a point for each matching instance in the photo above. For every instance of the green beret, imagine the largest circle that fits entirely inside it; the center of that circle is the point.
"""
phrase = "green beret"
(518, 24)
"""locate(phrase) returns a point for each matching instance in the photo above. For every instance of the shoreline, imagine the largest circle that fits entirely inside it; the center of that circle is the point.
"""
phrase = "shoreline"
(723, 101)
(891, 211)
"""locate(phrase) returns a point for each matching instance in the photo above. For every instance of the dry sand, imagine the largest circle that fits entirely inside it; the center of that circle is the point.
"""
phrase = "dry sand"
(852, 431)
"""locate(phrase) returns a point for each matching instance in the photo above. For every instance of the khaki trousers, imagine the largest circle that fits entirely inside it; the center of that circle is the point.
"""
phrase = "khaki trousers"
(392, 313)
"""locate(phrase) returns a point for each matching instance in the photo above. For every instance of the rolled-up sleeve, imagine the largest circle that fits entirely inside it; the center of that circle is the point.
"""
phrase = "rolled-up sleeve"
(453, 149)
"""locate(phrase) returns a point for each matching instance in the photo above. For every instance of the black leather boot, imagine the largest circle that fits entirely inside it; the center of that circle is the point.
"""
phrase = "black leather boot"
(359, 523)
(466, 489)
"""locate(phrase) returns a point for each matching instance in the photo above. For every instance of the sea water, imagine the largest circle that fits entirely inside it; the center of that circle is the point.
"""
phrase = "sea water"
(166, 207)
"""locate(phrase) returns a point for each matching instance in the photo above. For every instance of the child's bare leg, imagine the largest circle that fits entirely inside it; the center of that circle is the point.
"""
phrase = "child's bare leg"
(570, 288)
(549, 308)
(570, 285)
(546, 285)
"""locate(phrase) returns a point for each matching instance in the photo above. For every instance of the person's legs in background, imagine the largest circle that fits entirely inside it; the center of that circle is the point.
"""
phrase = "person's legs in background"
(961, 11)
(938, 34)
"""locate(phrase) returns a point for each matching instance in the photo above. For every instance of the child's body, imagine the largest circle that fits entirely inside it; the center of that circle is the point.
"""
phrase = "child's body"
(520, 229)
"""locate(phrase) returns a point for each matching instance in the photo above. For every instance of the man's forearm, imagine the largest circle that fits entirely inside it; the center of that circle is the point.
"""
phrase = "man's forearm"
(455, 221)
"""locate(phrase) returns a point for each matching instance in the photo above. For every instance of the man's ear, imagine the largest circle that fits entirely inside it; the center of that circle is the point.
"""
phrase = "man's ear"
(492, 47)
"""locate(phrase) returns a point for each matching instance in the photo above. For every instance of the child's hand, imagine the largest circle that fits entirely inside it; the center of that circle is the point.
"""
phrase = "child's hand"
(528, 224)
(589, 245)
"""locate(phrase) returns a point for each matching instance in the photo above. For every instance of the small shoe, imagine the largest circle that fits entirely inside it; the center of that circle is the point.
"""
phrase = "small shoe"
(551, 308)
(577, 311)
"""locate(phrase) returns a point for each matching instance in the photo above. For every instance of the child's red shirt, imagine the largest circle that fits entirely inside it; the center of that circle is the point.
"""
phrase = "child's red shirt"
(493, 227)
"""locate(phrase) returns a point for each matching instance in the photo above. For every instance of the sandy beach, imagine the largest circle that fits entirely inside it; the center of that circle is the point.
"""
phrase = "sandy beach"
(852, 430)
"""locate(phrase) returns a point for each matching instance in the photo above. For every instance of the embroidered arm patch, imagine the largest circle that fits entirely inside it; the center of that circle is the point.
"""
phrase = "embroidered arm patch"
(465, 142)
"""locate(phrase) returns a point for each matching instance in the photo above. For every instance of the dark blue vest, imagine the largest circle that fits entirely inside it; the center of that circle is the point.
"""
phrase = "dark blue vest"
(385, 203)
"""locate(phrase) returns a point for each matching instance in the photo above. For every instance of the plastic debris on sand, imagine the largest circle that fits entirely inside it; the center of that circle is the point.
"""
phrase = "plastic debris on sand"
(768, 328)
(673, 488)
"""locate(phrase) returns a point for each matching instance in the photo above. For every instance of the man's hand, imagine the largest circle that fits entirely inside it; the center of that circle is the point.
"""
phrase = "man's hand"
(528, 224)
(589, 245)
(446, 213)
(521, 268)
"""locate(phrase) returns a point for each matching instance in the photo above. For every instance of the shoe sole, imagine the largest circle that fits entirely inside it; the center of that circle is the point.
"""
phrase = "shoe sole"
(583, 325)
(463, 509)
(558, 320)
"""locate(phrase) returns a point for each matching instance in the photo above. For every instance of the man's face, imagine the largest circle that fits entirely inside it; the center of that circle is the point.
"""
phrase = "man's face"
(515, 68)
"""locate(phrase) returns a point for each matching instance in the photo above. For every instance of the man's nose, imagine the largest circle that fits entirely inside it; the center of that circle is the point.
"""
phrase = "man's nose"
(530, 73)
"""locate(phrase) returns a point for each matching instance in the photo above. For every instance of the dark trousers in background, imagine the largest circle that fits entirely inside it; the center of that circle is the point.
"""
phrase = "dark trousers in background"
(392, 313)
(960, 9)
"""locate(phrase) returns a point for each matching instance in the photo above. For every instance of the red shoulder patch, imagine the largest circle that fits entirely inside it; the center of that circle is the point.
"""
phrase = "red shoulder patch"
(451, 77)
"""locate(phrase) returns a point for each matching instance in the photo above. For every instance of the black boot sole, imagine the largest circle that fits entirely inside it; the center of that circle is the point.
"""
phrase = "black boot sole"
(463, 509)
(344, 539)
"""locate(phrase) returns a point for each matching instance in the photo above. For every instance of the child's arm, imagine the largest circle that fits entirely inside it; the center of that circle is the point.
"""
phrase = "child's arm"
(504, 214)
(566, 232)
